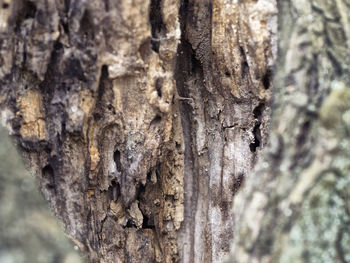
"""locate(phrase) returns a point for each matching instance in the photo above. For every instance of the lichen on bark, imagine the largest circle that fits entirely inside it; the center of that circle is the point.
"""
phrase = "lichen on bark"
(294, 207)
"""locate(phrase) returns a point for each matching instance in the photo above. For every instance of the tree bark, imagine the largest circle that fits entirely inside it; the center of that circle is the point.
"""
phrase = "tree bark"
(224, 68)
(141, 120)
(295, 206)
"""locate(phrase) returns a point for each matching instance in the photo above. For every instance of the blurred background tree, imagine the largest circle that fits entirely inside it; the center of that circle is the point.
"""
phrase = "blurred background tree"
(29, 232)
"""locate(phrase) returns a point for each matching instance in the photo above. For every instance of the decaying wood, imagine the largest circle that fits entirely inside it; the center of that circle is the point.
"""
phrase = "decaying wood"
(139, 118)
(224, 67)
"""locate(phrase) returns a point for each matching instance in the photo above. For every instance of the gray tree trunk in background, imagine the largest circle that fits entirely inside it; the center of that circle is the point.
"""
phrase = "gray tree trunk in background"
(141, 119)
(295, 207)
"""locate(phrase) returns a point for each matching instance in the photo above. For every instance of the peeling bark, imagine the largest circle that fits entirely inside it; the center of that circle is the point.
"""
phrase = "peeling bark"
(140, 119)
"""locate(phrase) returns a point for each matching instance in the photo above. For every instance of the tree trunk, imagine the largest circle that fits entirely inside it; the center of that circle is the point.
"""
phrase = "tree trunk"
(295, 207)
(141, 119)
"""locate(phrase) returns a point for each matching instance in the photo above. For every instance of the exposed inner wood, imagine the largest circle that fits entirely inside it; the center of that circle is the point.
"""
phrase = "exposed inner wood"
(140, 118)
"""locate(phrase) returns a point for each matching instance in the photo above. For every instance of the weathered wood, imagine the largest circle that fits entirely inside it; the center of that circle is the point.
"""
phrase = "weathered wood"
(140, 118)
(224, 68)
(87, 88)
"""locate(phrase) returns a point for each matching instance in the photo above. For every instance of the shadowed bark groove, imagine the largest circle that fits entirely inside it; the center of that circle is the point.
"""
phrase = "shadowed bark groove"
(140, 119)
(221, 82)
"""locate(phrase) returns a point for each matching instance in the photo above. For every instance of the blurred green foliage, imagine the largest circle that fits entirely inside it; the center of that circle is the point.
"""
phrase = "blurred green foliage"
(28, 231)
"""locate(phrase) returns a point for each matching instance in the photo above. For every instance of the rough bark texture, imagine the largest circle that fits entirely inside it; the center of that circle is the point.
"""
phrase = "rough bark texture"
(89, 93)
(224, 69)
(295, 208)
(142, 118)
(139, 118)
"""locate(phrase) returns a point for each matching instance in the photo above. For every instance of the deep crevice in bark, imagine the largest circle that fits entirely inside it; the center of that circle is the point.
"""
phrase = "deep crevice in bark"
(114, 190)
(117, 161)
(158, 86)
(28, 10)
(267, 79)
(257, 137)
(122, 137)
(186, 66)
(258, 111)
(157, 26)
(49, 177)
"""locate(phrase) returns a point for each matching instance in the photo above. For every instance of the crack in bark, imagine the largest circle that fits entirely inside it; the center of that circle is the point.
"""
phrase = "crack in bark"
(157, 26)
(123, 146)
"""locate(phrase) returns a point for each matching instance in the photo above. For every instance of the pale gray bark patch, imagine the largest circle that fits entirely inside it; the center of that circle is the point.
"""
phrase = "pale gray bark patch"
(293, 208)
(223, 83)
